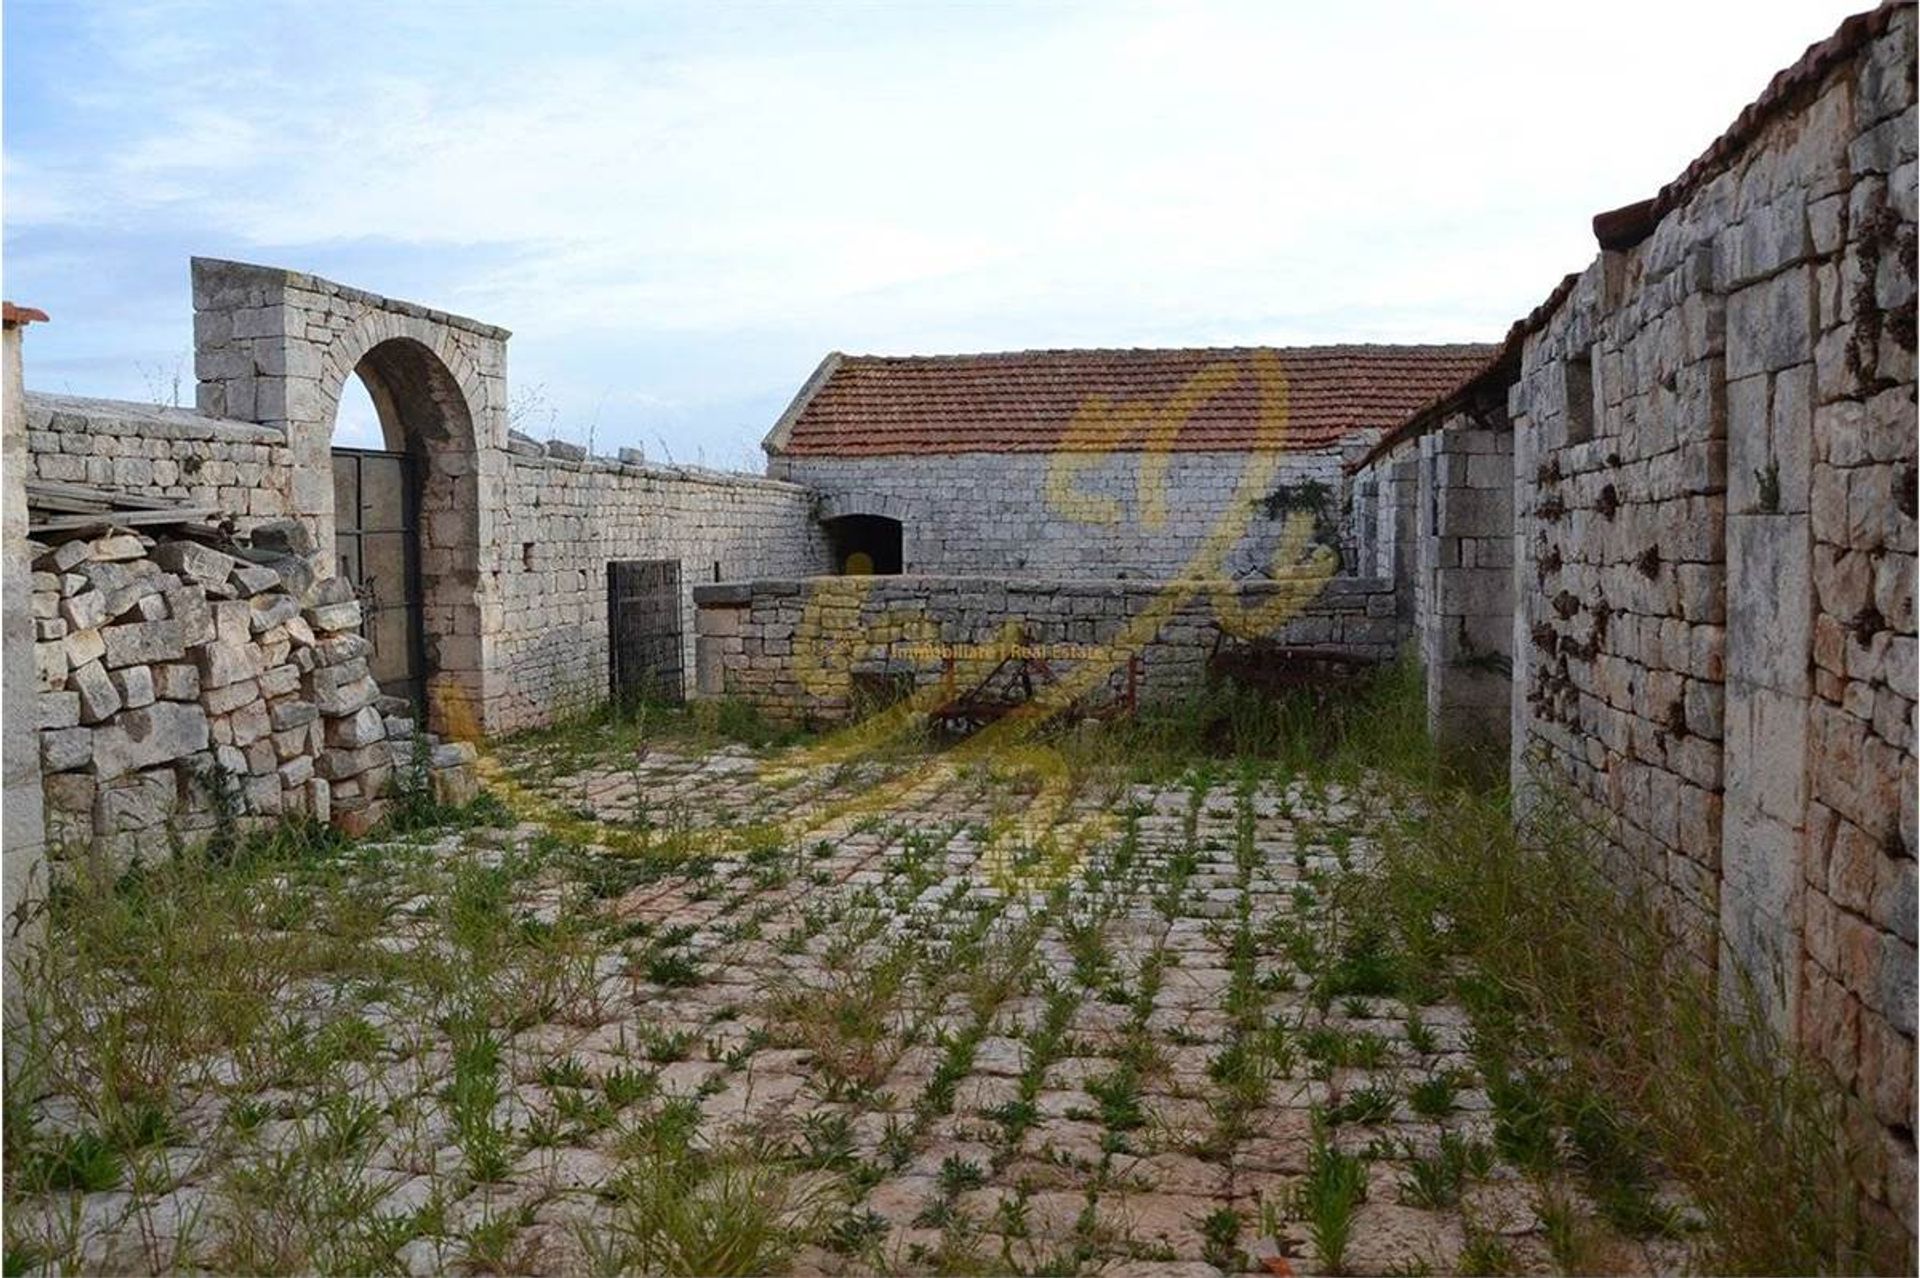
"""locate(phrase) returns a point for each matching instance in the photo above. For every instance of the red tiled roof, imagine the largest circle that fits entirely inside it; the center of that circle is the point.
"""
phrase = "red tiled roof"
(19, 316)
(1112, 400)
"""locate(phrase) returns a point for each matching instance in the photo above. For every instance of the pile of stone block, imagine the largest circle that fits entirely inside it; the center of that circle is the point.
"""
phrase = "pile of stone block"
(191, 675)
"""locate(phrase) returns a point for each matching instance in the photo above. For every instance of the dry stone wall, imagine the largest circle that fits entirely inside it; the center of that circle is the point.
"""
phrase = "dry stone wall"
(567, 516)
(1071, 514)
(799, 649)
(178, 678)
(1714, 644)
(240, 469)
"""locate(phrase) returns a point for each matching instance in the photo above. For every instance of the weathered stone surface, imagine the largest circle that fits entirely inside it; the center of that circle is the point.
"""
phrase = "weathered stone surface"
(250, 579)
(143, 642)
(135, 684)
(272, 610)
(177, 681)
(194, 561)
(361, 728)
(335, 617)
(222, 663)
(64, 748)
(155, 734)
(337, 765)
(85, 611)
(84, 646)
(99, 698)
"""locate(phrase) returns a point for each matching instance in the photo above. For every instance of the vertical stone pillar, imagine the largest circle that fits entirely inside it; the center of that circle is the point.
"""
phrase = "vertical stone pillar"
(1769, 640)
(23, 860)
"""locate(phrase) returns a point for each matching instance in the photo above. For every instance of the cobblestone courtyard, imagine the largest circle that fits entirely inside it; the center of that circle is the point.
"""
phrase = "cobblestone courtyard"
(828, 1017)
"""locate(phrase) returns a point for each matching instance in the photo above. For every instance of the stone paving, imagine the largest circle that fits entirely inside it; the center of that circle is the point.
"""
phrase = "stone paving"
(881, 1018)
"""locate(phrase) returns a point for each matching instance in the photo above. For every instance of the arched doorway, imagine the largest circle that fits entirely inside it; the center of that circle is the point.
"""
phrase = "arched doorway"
(864, 545)
(406, 532)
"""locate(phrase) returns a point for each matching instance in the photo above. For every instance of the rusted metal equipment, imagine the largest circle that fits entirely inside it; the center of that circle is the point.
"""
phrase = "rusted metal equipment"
(1272, 667)
(1010, 688)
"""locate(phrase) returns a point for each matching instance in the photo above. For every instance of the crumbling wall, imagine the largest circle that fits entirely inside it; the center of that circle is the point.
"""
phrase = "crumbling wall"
(1076, 514)
(568, 515)
(1715, 534)
(798, 649)
(181, 683)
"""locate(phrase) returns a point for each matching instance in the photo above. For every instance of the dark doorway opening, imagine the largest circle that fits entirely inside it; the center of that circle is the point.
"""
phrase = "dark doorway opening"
(644, 631)
(376, 511)
(864, 545)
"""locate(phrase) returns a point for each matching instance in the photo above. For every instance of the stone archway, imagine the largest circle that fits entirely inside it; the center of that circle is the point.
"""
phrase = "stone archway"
(424, 415)
(277, 347)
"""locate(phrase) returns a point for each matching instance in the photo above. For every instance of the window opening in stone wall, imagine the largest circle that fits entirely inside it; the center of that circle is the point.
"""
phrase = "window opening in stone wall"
(1579, 375)
(865, 545)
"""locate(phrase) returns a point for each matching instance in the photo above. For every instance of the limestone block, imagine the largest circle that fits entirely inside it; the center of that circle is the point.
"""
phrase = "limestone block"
(1770, 325)
(135, 684)
(280, 680)
(222, 663)
(84, 646)
(119, 546)
(335, 617)
(150, 735)
(65, 557)
(188, 605)
(291, 712)
(124, 585)
(143, 642)
(99, 698)
(345, 696)
(339, 764)
(194, 561)
(85, 611)
(362, 728)
(64, 748)
(230, 697)
(176, 681)
(56, 709)
(249, 723)
(251, 579)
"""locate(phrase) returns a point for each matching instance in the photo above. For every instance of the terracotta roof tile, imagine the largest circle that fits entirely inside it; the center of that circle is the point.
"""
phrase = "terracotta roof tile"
(1113, 400)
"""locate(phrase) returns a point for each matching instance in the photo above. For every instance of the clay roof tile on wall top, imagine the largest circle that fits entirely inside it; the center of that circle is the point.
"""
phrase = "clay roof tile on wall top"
(1120, 400)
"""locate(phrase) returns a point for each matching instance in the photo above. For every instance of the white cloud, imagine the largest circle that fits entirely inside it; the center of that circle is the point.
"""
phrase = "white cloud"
(873, 179)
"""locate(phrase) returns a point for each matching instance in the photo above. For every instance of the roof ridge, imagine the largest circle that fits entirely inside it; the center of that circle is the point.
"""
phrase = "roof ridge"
(1327, 348)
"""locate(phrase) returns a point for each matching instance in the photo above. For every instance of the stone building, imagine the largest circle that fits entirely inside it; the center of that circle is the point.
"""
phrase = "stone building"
(1090, 463)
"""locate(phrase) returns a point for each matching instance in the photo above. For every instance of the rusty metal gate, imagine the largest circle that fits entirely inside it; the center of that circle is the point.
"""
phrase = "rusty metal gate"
(376, 509)
(644, 631)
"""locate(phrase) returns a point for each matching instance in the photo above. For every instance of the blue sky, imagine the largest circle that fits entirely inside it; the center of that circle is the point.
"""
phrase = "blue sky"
(679, 208)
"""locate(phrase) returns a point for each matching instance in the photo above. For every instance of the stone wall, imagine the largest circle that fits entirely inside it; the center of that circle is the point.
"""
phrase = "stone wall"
(568, 515)
(1715, 481)
(798, 648)
(23, 837)
(1071, 514)
(176, 677)
(240, 469)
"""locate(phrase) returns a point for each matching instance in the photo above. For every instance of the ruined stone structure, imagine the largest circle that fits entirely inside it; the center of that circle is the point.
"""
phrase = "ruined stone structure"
(514, 537)
(1656, 549)
(1432, 508)
(1090, 463)
(804, 650)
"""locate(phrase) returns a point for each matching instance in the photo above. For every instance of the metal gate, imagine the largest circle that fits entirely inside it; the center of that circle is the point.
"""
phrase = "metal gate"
(376, 510)
(644, 631)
